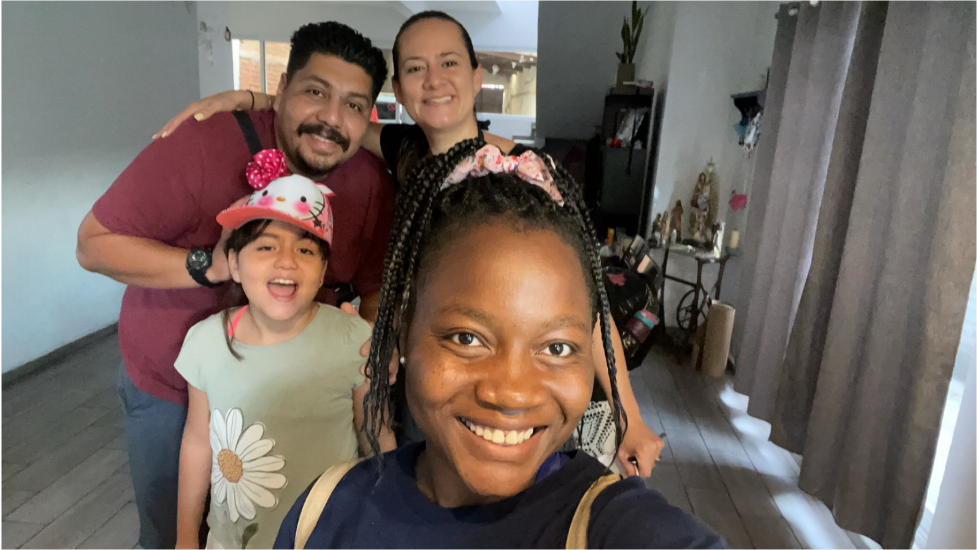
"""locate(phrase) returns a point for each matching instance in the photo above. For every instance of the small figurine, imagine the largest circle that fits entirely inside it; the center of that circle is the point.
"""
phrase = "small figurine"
(700, 209)
(704, 205)
(718, 229)
(666, 227)
(713, 193)
(656, 229)
(677, 220)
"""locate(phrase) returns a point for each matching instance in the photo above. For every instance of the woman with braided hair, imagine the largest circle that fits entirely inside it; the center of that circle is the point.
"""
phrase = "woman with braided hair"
(492, 288)
(436, 77)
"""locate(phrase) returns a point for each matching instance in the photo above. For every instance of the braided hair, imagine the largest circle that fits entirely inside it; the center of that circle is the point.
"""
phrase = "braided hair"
(427, 216)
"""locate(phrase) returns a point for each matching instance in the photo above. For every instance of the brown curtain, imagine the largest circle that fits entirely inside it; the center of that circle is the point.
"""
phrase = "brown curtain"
(850, 355)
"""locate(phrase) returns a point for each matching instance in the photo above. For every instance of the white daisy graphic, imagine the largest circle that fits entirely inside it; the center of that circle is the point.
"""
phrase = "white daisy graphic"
(241, 474)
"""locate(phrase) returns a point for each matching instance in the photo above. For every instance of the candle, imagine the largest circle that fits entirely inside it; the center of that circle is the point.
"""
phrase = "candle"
(643, 266)
(734, 239)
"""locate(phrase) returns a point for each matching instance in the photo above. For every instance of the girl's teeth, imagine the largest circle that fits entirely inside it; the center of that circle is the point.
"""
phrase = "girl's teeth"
(500, 437)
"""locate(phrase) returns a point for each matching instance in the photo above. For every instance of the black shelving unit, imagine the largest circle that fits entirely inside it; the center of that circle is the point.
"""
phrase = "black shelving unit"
(625, 185)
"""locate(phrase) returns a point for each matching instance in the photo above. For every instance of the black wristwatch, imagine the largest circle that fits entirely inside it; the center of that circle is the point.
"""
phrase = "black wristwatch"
(199, 261)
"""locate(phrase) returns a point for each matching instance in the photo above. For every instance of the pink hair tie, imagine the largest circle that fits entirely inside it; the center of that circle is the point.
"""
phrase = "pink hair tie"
(528, 167)
(267, 166)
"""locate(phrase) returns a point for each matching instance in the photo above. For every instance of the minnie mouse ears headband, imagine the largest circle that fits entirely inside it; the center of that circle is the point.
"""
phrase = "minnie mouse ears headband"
(528, 167)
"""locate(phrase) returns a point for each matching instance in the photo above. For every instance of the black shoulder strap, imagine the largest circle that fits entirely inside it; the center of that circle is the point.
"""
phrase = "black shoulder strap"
(250, 134)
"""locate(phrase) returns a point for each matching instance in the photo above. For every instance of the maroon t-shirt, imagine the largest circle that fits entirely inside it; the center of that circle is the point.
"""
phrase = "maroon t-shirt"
(172, 193)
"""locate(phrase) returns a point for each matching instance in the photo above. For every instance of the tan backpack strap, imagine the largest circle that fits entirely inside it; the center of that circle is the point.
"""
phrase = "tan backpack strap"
(577, 537)
(316, 501)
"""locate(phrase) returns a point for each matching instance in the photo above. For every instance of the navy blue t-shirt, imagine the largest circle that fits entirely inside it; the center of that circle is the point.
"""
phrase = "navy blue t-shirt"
(395, 514)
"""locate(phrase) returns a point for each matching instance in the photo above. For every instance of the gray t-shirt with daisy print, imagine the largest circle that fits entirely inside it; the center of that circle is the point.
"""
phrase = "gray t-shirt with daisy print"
(280, 416)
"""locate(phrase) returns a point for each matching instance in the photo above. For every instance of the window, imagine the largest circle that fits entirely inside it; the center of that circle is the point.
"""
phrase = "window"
(247, 65)
(508, 83)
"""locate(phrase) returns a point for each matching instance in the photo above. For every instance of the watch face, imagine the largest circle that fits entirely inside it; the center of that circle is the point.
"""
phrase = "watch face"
(198, 259)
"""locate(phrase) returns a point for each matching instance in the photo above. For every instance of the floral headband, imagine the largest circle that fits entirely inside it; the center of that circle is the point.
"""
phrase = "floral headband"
(489, 159)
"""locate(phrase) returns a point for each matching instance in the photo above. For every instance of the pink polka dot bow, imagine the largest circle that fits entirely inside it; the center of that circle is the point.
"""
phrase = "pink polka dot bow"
(489, 159)
(267, 166)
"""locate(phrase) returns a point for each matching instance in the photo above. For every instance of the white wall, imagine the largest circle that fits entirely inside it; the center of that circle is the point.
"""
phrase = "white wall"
(215, 57)
(493, 26)
(577, 65)
(718, 49)
(652, 60)
(85, 86)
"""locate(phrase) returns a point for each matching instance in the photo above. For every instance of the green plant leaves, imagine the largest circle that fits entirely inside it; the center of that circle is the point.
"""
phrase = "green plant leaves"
(631, 33)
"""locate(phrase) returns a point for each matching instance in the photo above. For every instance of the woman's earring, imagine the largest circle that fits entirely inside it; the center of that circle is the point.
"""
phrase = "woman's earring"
(403, 360)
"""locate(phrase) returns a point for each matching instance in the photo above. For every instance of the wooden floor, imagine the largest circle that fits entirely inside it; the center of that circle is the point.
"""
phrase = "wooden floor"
(66, 480)
(719, 464)
(65, 470)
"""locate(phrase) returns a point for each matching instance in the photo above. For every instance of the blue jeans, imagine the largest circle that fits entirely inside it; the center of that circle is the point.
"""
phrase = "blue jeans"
(154, 432)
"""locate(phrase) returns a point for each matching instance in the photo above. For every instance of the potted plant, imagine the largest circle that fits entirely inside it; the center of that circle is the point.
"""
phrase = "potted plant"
(630, 34)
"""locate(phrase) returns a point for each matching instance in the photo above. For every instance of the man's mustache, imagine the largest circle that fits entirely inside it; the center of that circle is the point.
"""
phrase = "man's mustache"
(326, 131)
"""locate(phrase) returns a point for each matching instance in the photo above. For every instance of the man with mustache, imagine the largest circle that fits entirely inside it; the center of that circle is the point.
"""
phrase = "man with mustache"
(155, 230)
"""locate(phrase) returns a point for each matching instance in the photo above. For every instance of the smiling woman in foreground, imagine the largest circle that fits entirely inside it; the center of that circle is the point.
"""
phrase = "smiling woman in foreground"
(491, 291)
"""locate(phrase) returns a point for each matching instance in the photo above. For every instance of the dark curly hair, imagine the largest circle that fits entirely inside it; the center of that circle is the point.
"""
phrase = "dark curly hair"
(332, 38)
(427, 216)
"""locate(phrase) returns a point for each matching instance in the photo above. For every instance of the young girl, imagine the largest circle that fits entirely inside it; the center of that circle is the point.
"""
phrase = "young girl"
(492, 290)
(276, 393)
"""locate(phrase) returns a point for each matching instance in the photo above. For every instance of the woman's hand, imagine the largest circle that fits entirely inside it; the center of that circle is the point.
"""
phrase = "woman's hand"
(640, 445)
(231, 100)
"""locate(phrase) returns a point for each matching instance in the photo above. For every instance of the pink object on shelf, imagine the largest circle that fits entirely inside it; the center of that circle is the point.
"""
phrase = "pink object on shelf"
(737, 202)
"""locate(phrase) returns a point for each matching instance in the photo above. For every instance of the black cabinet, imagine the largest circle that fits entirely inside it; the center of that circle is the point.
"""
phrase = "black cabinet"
(623, 190)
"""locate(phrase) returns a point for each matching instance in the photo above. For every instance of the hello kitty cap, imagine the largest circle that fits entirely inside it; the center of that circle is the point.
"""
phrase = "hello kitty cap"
(292, 199)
